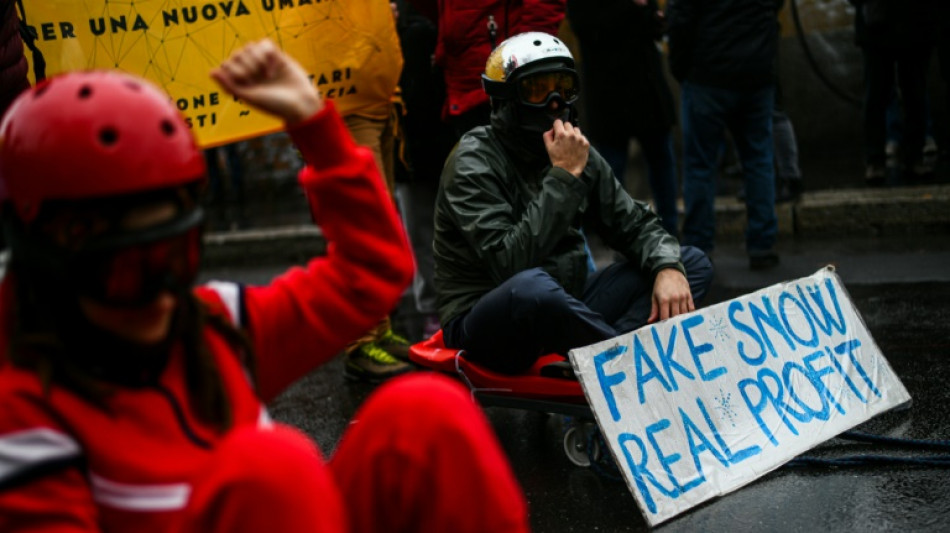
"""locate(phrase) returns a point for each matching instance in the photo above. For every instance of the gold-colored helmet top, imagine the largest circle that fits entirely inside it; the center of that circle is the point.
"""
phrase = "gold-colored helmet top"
(520, 53)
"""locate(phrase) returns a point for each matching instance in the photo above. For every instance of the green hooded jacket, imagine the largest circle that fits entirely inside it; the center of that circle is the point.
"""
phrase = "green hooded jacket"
(502, 209)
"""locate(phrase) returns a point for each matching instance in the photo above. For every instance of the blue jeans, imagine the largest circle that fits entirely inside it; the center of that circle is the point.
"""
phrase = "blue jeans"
(661, 171)
(707, 112)
(530, 314)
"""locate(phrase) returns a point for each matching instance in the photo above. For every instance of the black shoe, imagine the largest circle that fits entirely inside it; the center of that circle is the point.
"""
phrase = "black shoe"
(874, 175)
(921, 171)
(763, 260)
(789, 190)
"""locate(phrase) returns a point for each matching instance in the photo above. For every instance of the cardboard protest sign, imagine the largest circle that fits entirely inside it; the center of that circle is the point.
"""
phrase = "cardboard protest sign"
(699, 405)
(350, 49)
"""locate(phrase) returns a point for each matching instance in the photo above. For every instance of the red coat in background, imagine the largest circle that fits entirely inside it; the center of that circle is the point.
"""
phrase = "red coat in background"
(466, 40)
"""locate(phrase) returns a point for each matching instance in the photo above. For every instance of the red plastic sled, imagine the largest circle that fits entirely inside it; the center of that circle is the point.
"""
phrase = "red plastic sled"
(530, 390)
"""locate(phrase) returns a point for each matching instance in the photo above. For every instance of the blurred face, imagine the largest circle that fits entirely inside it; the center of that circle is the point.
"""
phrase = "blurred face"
(544, 97)
(147, 322)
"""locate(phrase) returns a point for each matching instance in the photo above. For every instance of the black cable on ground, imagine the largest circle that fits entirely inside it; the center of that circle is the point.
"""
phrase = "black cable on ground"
(935, 444)
(814, 64)
(929, 460)
(934, 461)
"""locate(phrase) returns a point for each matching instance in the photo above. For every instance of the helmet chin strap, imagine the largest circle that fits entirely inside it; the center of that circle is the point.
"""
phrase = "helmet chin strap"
(539, 120)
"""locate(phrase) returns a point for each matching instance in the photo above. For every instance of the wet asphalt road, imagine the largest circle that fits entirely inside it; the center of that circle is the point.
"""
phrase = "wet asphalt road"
(903, 293)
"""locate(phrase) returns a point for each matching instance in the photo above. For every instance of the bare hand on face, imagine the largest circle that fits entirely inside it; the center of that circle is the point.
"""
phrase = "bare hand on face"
(265, 77)
(567, 147)
(671, 295)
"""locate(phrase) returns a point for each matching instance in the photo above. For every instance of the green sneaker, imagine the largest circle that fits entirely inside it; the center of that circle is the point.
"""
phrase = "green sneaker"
(371, 363)
(395, 344)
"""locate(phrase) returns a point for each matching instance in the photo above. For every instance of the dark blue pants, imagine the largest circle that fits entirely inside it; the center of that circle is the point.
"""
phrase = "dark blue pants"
(706, 115)
(530, 314)
(661, 171)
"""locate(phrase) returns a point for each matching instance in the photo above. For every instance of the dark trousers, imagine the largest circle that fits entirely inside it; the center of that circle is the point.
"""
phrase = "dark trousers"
(708, 112)
(881, 66)
(657, 150)
(530, 314)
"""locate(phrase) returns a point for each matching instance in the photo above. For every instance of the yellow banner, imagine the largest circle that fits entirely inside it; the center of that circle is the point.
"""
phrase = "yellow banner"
(349, 47)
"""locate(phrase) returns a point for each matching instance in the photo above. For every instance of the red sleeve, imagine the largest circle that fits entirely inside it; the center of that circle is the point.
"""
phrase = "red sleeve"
(540, 15)
(54, 503)
(42, 486)
(307, 315)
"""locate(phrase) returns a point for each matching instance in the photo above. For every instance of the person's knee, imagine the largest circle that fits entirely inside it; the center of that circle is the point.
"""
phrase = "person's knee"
(534, 290)
(699, 270)
(423, 393)
(262, 478)
(422, 437)
(272, 459)
(401, 414)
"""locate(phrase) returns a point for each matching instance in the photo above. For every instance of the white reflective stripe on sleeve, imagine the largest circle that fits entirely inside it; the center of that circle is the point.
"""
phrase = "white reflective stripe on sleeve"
(230, 294)
(263, 418)
(29, 448)
(166, 497)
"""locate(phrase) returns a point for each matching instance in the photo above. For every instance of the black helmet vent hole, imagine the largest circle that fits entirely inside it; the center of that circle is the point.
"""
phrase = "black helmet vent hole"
(557, 42)
(108, 136)
(537, 43)
(168, 128)
(85, 91)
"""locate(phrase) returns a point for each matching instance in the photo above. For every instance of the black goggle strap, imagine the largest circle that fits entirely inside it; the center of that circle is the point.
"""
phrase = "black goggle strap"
(190, 219)
(47, 262)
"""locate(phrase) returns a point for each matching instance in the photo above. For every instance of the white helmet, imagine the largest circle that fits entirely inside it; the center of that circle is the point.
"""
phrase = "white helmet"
(531, 68)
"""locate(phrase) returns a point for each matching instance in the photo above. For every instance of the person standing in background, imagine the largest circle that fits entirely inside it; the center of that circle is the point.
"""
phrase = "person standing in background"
(723, 55)
(897, 39)
(426, 143)
(381, 353)
(626, 91)
(13, 65)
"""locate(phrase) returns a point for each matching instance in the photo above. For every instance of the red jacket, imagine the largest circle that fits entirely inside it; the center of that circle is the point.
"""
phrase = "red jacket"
(465, 42)
(66, 465)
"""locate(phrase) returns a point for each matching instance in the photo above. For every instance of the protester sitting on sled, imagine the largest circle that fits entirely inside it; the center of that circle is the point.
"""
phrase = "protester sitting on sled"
(515, 202)
(132, 401)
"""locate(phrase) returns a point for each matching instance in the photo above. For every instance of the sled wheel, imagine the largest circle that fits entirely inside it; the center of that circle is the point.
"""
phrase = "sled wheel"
(575, 447)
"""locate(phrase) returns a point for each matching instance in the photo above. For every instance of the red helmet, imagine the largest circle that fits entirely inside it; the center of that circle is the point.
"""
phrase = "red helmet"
(92, 134)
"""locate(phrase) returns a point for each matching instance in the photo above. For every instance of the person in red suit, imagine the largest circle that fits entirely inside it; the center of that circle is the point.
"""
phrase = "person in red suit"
(131, 400)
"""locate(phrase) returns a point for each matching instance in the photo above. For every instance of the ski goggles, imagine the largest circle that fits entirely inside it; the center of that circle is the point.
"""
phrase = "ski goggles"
(132, 269)
(538, 89)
